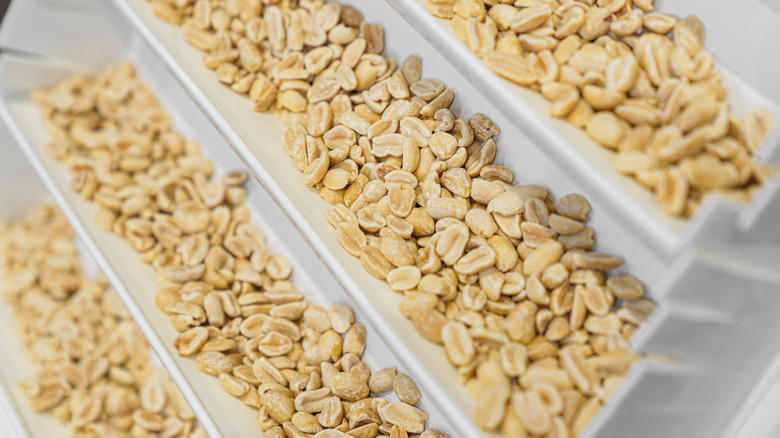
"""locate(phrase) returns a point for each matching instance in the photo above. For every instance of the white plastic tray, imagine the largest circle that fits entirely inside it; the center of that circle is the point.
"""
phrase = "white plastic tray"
(750, 67)
(256, 139)
(221, 414)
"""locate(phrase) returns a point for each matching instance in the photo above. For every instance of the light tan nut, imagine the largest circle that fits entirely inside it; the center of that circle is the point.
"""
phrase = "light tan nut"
(351, 238)
(599, 262)
(508, 203)
(312, 401)
(443, 145)
(404, 278)
(563, 225)
(406, 390)
(153, 398)
(375, 262)
(530, 18)
(214, 363)
(233, 385)
(404, 415)
(429, 324)
(596, 298)
(542, 257)
(426, 89)
(491, 407)
(306, 423)
(189, 342)
(621, 73)
(476, 261)
(329, 346)
(400, 199)
(606, 129)
(536, 290)
(341, 317)
(452, 243)
(616, 362)
(481, 223)
(279, 406)
(191, 217)
(519, 323)
(580, 371)
(573, 206)
(332, 413)
(348, 387)
(626, 286)
(278, 268)
(484, 128)
(512, 67)
(382, 381)
(585, 414)
(531, 411)
(672, 192)
(535, 235)
(514, 359)
(355, 340)
(331, 433)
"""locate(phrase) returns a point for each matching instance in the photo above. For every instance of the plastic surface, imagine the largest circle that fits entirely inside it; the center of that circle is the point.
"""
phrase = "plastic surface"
(745, 72)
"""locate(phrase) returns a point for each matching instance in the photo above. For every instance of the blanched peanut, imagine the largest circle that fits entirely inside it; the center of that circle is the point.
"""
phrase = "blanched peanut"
(382, 381)
(458, 343)
(542, 257)
(531, 412)
(491, 407)
(606, 129)
(406, 390)
(626, 286)
(403, 415)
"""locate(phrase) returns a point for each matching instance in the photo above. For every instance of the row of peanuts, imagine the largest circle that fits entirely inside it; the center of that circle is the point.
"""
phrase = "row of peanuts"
(639, 82)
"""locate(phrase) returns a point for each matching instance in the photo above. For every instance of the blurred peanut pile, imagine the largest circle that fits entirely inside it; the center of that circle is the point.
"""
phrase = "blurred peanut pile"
(233, 302)
(92, 361)
(503, 276)
(638, 81)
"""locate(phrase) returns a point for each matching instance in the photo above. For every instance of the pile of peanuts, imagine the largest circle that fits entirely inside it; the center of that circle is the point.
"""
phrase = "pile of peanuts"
(639, 83)
(503, 276)
(230, 298)
(93, 362)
